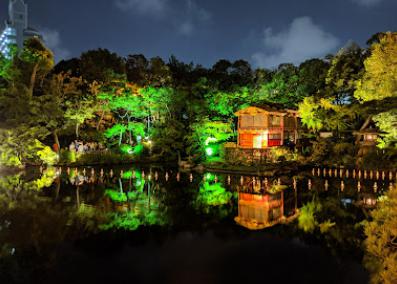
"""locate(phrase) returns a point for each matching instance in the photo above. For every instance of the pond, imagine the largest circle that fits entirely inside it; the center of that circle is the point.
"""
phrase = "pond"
(155, 224)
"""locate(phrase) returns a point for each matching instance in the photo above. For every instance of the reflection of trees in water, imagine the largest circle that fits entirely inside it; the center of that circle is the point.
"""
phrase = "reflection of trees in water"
(30, 229)
(326, 218)
(135, 203)
(213, 198)
(39, 219)
(381, 240)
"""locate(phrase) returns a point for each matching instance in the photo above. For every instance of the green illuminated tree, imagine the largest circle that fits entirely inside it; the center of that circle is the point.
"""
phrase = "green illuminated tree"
(223, 105)
(117, 130)
(128, 107)
(217, 131)
(80, 105)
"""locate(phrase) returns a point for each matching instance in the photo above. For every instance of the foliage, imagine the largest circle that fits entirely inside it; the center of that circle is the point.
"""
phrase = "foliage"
(387, 123)
(212, 193)
(381, 248)
(380, 78)
(345, 69)
(46, 179)
(278, 154)
(14, 151)
(275, 188)
(124, 221)
(307, 221)
(117, 130)
(328, 151)
(9, 156)
(67, 157)
(309, 117)
(116, 196)
(102, 158)
(169, 110)
(206, 129)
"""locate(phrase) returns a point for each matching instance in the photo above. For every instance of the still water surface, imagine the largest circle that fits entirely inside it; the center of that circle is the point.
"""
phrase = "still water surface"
(154, 224)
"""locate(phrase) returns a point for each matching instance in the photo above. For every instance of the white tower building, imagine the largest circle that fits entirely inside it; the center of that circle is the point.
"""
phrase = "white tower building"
(17, 29)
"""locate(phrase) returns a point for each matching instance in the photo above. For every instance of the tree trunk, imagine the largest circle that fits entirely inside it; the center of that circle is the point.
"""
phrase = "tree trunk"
(121, 137)
(120, 186)
(365, 125)
(56, 139)
(33, 79)
(129, 131)
(179, 157)
(77, 130)
(100, 120)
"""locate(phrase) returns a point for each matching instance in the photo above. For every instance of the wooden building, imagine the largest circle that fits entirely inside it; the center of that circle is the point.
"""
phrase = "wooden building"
(368, 134)
(263, 127)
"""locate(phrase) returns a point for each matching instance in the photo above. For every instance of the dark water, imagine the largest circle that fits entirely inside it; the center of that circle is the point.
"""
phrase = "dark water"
(132, 225)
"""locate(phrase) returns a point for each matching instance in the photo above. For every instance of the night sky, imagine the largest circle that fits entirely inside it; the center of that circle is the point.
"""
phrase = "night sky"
(266, 33)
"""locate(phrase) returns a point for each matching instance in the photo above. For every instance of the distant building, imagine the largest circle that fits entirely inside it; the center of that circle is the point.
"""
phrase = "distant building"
(263, 127)
(17, 29)
(366, 139)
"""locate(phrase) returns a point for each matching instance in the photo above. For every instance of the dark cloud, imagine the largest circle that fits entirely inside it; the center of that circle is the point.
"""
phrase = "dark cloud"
(302, 40)
(193, 17)
(53, 41)
(142, 6)
(367, 3)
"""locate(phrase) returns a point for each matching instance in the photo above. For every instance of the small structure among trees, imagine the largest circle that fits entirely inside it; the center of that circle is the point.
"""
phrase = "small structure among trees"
(366, 138)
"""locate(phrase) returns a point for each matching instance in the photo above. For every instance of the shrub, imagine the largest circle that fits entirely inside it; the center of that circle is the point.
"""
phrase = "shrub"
(38, 152)
(280, 154)
(48, 156)
(9, 159)
(107, 157)
(67, 157)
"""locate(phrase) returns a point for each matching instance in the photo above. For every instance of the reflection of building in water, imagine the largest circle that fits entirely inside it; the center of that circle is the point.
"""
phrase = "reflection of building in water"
(367, 200)
(259, 211)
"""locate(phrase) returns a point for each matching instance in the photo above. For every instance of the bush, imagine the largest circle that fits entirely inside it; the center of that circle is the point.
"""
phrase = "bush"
(48, 156)
(107, 157)
(320, 151)
(38, 152)
(281, 154)
(9, 159)
(67, 157)
(343, 153)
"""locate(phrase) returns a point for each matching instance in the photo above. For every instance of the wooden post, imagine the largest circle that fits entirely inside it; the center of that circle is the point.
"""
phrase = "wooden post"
(282, 129)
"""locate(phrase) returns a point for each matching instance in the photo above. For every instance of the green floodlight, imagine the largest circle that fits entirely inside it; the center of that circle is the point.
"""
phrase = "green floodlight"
(209, 151)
